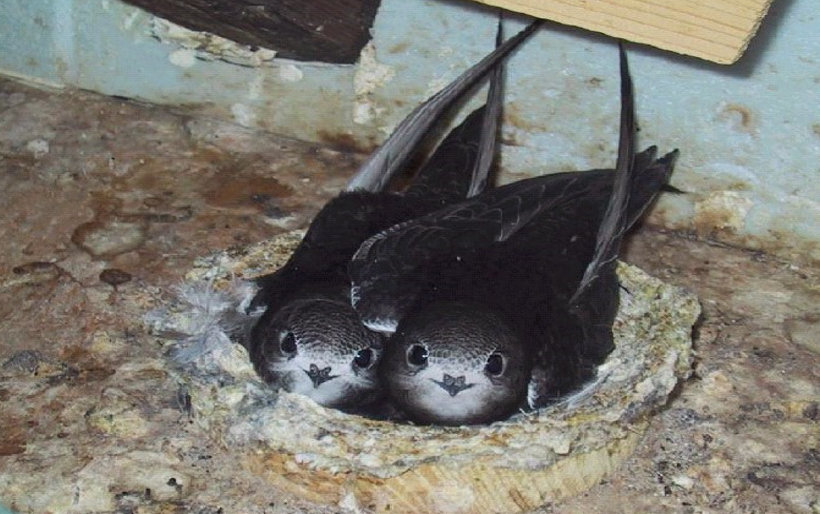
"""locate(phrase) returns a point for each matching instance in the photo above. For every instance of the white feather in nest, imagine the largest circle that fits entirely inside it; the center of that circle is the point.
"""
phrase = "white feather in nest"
(207, 321)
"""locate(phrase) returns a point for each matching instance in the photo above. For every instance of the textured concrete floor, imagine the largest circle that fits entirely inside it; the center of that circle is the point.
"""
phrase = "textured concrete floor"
(106, 203)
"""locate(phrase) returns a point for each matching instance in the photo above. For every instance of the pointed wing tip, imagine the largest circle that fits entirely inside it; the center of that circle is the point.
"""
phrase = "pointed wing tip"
(626, 77)
(628, 129)
(612, 225)
(670, 158)
(376, 172)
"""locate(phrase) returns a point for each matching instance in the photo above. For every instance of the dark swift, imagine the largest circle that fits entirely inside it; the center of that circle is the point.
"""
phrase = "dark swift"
(309, 339)
(506, 301)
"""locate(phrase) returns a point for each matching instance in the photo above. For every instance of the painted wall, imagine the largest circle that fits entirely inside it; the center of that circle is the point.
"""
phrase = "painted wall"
(749, 134)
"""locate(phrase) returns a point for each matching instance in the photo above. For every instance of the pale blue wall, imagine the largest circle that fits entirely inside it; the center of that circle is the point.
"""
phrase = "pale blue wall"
(749, 133)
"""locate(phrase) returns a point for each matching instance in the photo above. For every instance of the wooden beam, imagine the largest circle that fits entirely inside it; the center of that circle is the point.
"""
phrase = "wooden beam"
(715, 30)
(316, 30)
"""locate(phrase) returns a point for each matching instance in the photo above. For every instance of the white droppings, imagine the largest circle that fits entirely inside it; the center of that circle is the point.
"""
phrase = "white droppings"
(362, 112)
(243, 114)
(290, 73)
(209, 46)
(184, 58)
(256, 86)
(723, 209)
(370, 75)
(129, 20)
(37, 147)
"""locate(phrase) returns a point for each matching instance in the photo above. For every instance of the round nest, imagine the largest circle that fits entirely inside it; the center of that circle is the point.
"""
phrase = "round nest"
(515, 465)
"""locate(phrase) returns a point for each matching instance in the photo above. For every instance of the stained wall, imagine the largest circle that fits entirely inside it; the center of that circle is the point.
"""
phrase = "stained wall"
(749, 134)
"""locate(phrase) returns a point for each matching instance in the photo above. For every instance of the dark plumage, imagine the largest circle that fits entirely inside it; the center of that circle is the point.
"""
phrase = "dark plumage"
(309, 338)
(510, 295)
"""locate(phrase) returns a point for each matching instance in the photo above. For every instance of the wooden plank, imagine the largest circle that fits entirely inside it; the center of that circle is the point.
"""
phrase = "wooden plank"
(317, 30)
(715, 30)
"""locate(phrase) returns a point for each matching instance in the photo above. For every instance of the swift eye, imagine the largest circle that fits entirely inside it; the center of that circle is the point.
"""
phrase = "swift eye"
(417, 355)
(495, 364)
(363, 358)
(287, 342)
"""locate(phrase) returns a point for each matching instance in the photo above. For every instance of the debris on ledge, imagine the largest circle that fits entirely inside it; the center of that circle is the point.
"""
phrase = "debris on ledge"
(335, 458)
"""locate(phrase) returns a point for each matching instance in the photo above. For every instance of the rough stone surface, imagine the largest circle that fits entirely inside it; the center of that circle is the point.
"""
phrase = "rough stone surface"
(86, 394)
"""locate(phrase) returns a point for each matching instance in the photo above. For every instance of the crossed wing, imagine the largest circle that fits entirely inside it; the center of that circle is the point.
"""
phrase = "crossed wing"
(461, 164)
(387, 270)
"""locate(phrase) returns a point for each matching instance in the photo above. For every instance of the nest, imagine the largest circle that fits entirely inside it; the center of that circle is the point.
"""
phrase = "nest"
(334, 458)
